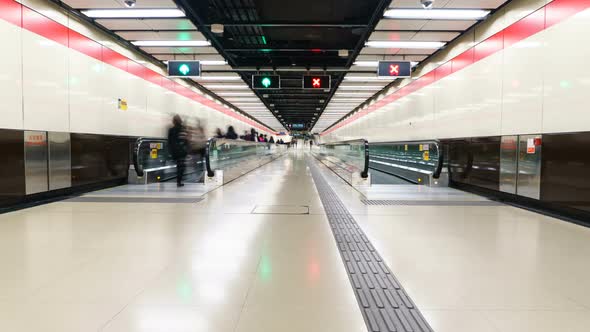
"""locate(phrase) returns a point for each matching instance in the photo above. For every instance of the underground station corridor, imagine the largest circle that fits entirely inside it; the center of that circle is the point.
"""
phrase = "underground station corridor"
(307, 166)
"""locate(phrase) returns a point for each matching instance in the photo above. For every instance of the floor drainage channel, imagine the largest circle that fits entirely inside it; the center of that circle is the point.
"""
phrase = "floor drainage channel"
(117, 199)
(428, 203)
(383, 302)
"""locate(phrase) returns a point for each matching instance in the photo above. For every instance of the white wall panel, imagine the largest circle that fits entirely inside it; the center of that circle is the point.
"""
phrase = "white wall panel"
(453, 102)
(522, 102)
(86, 79)
(114, 121)
(567, 79)
(485, 88)
(11, 108)
(45, 84)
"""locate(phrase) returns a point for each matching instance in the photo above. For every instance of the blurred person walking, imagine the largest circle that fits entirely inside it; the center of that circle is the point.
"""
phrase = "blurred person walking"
(178, 142)
(231, 133)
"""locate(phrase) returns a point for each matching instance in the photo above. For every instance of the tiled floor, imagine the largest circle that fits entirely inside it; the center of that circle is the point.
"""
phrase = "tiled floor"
(216, 266)
(479, 268)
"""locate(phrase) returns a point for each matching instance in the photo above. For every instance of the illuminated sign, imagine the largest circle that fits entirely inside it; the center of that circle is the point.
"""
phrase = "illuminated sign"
(266, 82)
(184, 68)
(316, 82)
(394, 69)
(298, 126)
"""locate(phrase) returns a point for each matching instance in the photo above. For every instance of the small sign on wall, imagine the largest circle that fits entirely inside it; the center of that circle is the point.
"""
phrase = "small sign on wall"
(530, 146)
(122, 104)
(154, 153)
(426, 155)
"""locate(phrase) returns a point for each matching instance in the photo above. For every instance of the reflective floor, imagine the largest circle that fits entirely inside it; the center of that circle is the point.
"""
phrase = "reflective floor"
(258, 255)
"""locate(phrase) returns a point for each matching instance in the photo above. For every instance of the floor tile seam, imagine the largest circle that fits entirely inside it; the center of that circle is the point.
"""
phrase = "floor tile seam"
(134, 297)
(62, 276)
(244, 303)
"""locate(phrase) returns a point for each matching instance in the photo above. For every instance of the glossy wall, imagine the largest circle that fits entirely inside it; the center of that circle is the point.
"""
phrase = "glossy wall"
(522, 71)
(60, 74)
(61, 124)
(521, 74)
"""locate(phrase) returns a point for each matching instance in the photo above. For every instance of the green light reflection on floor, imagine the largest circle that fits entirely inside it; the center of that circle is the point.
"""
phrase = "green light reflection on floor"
(265, 269)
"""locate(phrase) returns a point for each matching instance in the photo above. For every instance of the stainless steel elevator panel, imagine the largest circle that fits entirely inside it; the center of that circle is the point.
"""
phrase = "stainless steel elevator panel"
(36, 180)
(508, 164)
(60, 164)
(529, 166)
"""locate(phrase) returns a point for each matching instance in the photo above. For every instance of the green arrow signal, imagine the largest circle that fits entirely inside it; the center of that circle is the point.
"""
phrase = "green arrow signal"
(184, 69)
(266, 82)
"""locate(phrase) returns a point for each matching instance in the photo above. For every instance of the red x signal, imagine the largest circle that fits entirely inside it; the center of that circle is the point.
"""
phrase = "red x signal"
(393, 69)
(316, 82)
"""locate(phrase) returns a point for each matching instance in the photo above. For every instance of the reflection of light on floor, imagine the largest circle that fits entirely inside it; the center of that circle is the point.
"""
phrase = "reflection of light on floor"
(265, 269)
(170, 320)
(185, 290)
(313, 270)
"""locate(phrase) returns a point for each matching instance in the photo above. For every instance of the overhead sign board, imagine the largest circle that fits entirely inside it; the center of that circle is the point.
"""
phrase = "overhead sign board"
(316, 82)
(184, 68)
(266, 82)
(298, 126)
(396, 69)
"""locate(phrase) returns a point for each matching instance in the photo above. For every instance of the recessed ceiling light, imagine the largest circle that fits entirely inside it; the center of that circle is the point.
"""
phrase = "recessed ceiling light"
(404, 44)
(361, 87)
(133, 13)
(171, 43)
(366, 78)
(376, 63)
(226, 87)
(213, 62)
(219, 78)
(437, 14)
(236, 94)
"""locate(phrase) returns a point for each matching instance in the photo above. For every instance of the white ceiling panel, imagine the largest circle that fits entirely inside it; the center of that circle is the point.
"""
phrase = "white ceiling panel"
(146, 24)
(435, 36)
(389, 24)
(171, 24)
(161, 35)
(448, 25)
(416, 3)
(484, 4)
(107, 4)
(180, 50)
(379, 51)
(392, 35)
(124, 24)
(420, 51)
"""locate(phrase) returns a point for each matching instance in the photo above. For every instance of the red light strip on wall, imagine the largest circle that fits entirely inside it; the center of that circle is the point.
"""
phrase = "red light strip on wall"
(539, 20)
(26, 18)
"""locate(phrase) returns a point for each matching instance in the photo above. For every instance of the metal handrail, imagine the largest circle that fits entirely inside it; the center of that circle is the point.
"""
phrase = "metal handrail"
(440, 161)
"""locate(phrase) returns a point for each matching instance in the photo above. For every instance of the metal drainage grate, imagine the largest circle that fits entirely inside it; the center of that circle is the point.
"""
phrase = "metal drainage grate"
(385, 305)
(429, 203)
(113, 199)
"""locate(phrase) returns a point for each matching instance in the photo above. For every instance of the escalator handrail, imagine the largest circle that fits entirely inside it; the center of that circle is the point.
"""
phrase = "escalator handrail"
(214, 141)
(365, 143)
(138, 143)
(440, 161)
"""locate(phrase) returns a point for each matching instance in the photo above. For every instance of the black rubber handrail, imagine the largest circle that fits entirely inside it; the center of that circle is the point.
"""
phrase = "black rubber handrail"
(138, 143)
(440, 162)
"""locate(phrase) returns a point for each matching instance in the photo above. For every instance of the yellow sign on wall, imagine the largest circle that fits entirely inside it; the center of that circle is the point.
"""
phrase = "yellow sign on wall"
(154, 154)
(122, 104)
(426, 155)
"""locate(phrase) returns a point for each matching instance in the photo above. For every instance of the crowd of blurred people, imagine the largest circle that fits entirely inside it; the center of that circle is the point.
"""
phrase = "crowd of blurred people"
(191, 139)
